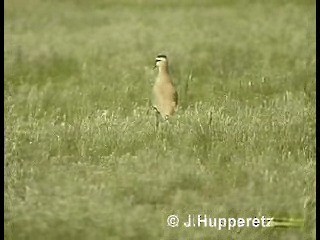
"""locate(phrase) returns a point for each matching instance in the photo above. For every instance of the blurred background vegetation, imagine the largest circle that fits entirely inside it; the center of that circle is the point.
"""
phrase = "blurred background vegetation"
(83, 160)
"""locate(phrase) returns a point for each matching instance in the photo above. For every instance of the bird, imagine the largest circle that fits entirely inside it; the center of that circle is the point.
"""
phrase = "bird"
(164, 94)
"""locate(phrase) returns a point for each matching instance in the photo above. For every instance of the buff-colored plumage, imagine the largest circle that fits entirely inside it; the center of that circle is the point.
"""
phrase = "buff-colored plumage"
(165, 97)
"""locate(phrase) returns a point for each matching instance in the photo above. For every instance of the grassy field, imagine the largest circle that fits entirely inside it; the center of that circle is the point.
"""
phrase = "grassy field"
(83, 159)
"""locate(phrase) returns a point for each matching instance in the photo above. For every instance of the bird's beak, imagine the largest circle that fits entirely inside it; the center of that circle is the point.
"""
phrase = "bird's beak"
(154, 67)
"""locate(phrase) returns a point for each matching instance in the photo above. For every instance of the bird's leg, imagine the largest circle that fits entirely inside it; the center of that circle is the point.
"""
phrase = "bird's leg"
(157, 115)
(157, 120)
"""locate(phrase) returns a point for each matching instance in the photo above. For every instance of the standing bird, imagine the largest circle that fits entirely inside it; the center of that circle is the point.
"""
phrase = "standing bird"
(165, 96)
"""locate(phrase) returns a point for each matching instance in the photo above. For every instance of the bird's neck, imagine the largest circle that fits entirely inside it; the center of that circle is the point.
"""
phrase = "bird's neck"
(163, 75)
(163, 70)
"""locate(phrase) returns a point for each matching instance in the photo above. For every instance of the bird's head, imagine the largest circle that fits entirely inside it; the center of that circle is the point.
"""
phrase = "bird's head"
(161, 60)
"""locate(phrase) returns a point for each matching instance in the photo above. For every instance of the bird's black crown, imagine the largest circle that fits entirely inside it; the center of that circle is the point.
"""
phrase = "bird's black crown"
(162, 56)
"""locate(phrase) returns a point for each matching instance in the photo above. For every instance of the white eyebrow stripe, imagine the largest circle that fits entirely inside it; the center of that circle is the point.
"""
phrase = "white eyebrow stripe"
(161, 59)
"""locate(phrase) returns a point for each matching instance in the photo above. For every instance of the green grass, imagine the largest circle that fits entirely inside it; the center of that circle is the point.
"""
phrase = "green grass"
(83, 160)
